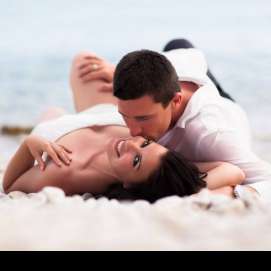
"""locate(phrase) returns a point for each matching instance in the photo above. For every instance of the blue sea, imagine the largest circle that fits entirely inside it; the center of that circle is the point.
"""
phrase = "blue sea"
(40, 38)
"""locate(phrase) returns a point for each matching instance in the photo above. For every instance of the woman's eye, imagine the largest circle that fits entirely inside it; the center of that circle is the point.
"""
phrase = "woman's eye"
(146, 143)
(136, 160)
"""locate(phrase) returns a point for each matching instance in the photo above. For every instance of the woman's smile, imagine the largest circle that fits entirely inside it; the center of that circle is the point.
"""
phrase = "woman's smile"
(132, 159)
(118, 145)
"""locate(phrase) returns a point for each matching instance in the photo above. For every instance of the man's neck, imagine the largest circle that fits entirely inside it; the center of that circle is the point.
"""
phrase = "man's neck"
(187, 90)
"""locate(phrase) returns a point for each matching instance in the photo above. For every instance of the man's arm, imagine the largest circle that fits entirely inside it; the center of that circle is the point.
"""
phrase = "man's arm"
(227, 147)
(221, 174)
(225, 190)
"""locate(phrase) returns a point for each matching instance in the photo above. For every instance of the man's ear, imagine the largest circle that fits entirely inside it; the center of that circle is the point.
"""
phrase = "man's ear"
(176, 100)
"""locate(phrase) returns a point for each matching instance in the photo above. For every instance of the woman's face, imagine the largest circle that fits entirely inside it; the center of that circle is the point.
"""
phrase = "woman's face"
(134, 159)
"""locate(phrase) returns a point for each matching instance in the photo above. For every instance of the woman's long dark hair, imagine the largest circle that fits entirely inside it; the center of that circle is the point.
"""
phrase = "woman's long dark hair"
(175, 176)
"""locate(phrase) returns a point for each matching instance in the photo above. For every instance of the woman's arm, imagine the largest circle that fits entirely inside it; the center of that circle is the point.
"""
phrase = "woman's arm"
(221, 174)
(21, 162)
(30, 150)
(34, 180)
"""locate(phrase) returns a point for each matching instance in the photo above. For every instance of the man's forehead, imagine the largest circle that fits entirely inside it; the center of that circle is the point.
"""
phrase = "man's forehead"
(146, 99)
(138, 107)
(137, 111)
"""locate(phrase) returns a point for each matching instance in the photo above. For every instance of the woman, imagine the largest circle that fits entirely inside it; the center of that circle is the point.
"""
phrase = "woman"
(92, 151)
(98, 158)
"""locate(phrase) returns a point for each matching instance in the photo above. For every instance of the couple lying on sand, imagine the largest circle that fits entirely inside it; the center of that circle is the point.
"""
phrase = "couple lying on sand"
(157, 124)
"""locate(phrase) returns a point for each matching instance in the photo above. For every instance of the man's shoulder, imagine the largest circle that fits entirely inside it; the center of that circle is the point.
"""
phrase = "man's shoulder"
(209, 119)
(206, 107)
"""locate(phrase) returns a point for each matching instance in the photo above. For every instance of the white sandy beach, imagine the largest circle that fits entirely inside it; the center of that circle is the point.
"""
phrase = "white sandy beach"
(49, 220)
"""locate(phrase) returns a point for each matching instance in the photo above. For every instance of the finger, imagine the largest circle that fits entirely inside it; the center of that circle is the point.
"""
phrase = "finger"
(61, 153)
(92, 57)
(51, 152)
(88, 69)
(65, 148)
(88, 62)
(99, 75)
(40, 162)
(64, 157)
(106, 87)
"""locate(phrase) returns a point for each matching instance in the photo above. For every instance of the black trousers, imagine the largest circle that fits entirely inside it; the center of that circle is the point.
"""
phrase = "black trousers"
(183, 43)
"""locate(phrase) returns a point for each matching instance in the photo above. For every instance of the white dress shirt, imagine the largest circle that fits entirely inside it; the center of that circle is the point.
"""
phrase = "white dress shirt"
(213, 128)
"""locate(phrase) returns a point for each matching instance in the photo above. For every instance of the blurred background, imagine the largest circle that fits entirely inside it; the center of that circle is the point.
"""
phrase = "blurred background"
(40, 38)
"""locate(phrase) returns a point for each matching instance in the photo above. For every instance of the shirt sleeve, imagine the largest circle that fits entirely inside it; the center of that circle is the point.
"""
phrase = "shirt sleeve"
(223, 146)
(226, 147)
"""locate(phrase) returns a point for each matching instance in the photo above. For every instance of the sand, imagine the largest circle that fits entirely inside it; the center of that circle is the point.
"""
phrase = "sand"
(49, 220)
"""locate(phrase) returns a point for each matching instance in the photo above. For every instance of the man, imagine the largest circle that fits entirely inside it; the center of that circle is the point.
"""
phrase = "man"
(169, 98)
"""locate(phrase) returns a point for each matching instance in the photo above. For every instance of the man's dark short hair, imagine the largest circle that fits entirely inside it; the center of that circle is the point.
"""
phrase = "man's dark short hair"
(145, 72)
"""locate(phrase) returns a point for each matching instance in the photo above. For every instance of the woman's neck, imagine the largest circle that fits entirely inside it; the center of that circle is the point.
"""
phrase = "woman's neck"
(99, 161)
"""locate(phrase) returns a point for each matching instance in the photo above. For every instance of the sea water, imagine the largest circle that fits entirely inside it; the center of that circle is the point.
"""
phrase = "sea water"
(40, 38)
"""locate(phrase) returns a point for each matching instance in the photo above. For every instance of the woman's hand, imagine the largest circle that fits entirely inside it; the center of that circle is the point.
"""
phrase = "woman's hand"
(93, 67)
(38, 145)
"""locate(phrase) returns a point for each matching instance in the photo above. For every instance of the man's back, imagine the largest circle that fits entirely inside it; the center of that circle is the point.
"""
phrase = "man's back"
(213, 128)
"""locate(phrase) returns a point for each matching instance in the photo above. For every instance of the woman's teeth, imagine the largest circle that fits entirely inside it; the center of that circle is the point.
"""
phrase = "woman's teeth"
(119, 146)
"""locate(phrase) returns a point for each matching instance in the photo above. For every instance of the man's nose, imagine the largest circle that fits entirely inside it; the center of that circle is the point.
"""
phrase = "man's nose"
(135, 130)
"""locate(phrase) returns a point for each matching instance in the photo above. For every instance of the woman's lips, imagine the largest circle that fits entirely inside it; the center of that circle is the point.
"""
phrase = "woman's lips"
(118, 145)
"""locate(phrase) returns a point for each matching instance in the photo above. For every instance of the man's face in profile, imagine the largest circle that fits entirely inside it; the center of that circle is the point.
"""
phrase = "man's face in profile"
(144, 117)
